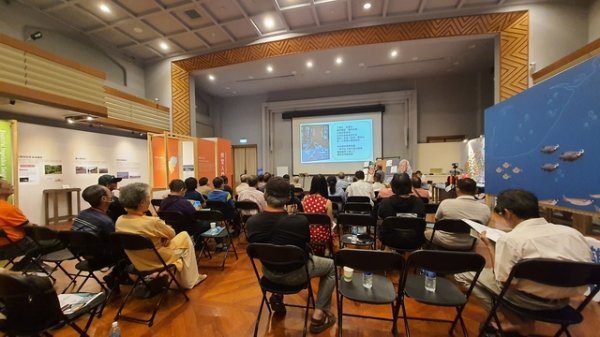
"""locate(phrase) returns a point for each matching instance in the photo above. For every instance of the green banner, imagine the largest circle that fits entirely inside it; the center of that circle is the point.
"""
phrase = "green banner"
(6, 160)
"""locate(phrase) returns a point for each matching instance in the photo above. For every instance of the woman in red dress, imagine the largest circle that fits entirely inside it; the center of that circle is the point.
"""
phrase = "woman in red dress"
(316, 202)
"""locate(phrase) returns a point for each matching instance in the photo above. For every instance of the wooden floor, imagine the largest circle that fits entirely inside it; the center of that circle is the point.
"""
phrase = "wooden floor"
(226, 304)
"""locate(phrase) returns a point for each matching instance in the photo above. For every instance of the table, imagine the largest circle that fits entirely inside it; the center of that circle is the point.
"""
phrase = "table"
(54, 194)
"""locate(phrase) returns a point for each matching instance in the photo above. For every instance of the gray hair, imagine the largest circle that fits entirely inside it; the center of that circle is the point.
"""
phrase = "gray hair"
(132, 195)
(276, 202)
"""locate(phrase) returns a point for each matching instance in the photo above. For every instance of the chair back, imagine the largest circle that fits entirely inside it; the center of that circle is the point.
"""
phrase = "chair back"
(247, 205)
(317, 218)
(130, 241)
(370, 260)
(336, 199)
(446, 262)
(359, 198)
(156, 204)
(280, 255)
(221, 206)
(452, 225)
(47, 239)
(346, 219)
(175, 220)
(403, 234)
(82, 244)
(209, 215)
(358, 207)
(431, 208)
(558, 273)
(30, 304)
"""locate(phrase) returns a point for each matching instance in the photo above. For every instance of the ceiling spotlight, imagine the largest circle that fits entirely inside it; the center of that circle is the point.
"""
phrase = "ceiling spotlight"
(394, 53)
(164, 46)
(309, 64)
(70, 120)
(339, 60)
(104, 8)
(270, 69)
(36, 36)
(138, 30)
(211, 77)
(367, 5)
(269, 22)
(90, 118)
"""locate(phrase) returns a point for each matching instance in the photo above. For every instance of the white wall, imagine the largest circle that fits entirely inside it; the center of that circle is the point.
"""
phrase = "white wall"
(41, 145)
(594, 21)
(158, 82)
(439, 155)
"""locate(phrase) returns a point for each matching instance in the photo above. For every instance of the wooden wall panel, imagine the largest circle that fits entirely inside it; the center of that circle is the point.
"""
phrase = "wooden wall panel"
(180, 100)
(513, 28)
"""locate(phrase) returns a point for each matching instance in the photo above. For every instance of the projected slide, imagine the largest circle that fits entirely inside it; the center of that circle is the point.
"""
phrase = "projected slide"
(336, 141)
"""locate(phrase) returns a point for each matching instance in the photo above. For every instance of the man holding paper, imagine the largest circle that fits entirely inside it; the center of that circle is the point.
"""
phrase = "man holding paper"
(531, 237)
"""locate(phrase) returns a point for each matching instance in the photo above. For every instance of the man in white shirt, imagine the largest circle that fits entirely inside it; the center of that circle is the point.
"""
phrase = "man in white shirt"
(243, 184)
(465, 206)
(531, 237)
(341, 181)
(360, 187)
(252, 194)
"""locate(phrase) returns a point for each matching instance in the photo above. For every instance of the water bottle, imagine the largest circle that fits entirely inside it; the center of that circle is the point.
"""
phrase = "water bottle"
(368, 279)
(115, 330)
(354, 234)
(430, 280)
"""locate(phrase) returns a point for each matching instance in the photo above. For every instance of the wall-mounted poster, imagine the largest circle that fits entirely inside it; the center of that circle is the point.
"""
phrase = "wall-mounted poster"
(6, 156)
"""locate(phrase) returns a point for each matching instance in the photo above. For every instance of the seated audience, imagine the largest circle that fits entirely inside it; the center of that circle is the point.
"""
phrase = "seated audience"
(252, 194)
(243, 184)
(341, 181)
(262, 181)
(404, 167)
(378, 180)
(177, 249)
(275, 226)
(115, 210)
(296, 181)
(316, 202)
(465, 206)
(360, 187)
(218, 194)
(176, 202)
(190, 190)
(418, 191)
(334, 191)
(286, 177)
(531, 237)
(402, 201)
(294, 200)
(96, 220)
(203, 186)
(12, 221)
(226, 186)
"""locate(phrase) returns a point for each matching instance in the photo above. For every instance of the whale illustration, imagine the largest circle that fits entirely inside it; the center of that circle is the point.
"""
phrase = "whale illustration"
(549, 202)
(550, 167)
(595, 196)
(550, 148)
(578, 201)
(571, 155)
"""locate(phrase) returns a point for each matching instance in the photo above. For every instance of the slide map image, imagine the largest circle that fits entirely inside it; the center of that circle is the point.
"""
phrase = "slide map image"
(315, 142)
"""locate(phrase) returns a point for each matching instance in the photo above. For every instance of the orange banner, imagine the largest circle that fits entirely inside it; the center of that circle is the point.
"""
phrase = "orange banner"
(174, 160)
(224, 159)
(159, 162)
(206, 159)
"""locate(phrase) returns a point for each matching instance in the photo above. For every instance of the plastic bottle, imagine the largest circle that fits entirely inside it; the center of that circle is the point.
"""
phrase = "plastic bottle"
(354, 234)
(368, 279)
(115, 330)
(430, 280)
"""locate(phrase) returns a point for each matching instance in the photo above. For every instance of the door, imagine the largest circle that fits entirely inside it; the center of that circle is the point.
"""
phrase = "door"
(245, 161)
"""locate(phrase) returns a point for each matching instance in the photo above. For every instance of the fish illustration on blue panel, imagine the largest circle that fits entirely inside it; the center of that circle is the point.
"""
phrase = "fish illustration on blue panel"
(550, 167)
(578, 201)
(571, 155)
(550, 148)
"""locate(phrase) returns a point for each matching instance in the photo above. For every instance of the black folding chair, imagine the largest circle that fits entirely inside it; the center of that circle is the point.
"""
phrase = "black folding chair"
(178, 221)
(451, 226)
(551, 273)
(431, 208)
(359, 199)
(337, 204)
(358, 207)
(323, 221)
(219, 218)
(299, 193)
(156, 204)
(51, 249)
(382, 291)
(447, 293)
(402, 234)
(31, 307)
(345, 236)
(136, 242)
(13, 250)
(278, 256)
(246, 209)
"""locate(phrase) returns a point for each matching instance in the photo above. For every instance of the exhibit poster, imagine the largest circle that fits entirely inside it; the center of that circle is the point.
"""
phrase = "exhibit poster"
(6, 161)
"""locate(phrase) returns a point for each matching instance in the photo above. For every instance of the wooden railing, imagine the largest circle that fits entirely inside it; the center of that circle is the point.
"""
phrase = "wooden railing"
(580, 55)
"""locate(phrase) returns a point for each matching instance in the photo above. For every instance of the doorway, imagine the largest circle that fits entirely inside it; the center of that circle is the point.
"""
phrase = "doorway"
(244, 161)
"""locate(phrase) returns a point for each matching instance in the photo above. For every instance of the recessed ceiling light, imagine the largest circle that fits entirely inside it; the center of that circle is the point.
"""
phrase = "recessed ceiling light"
(90, 118)
(367, 5)
(105, 8)
(70, 120)
(394, 53)
(270, 69)
(269, 22)
(138, 30)
(339, 60)
(164, 46)
(309, 64)
(211, 77)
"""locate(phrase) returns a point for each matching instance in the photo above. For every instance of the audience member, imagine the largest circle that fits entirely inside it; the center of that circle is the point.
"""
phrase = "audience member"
(360, 187)
(316, 202)
(218, 194)
(226, 186)
(275, 226)
(464, 206)
(286, 177)
(334, 190)
(203, 186)
(378, 181)
(296, 181)
(190, 190)
(531, 237)
(402, 201)
(252, 194)
(176, 202)
(418, 191)
(261, 183)
(341, 181)
(177, 249)
(115, 210)
(404, 167)
(12, 221)
(295, 201)
(243, 184)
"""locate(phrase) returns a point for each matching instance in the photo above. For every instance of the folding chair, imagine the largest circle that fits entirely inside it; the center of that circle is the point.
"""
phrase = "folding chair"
(52, 250)
(89, 250)
(216, 216)
(431, 208)
(337, 203)
(552, 273)
(277, 256)
(178, 222)
(228, 211)
(367, 239)
(299, 193)
(402, 234)
(246, 209)
(359, 199)
(31, 307)
(451, 226)
(447, 293)
(135, 242)
(12, 250)
(156, 204)
(322, 221)
(358, 207)
(382, 291)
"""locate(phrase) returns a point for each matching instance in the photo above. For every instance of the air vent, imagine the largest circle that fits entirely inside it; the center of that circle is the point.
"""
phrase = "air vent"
(192, 14)
(406, 62)
(265, 78)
